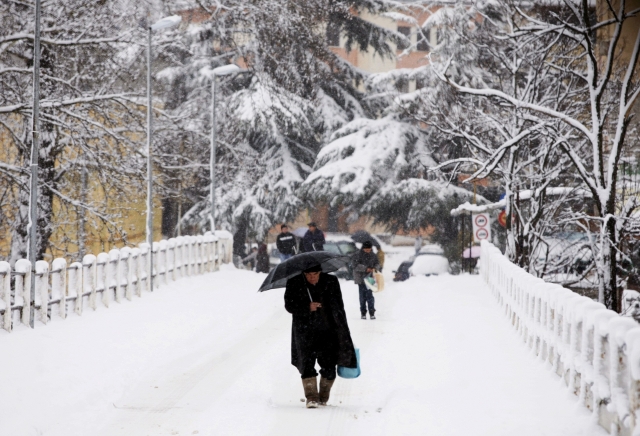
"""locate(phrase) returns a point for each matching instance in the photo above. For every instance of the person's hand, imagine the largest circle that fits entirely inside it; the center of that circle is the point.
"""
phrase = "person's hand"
(315, 306)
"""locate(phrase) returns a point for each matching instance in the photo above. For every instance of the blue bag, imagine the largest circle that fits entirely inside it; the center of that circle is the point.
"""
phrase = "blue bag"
(345, 372)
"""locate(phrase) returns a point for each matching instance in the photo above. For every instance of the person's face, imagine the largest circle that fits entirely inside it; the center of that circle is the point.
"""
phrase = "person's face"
(312, 277)
(367, 250)
(284, 229)
(312, 228)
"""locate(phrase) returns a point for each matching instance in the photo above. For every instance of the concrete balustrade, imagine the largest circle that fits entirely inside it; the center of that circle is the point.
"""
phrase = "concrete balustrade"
(115, 276)
(594, 350)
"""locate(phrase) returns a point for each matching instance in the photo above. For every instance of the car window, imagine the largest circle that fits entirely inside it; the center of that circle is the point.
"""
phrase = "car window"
(347, 248)
(332, 248)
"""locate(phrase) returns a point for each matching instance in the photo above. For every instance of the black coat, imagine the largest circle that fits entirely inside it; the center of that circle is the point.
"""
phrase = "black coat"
(297, 301)
(262, 259)
(286, 243)
(313, 241)
(360, 261)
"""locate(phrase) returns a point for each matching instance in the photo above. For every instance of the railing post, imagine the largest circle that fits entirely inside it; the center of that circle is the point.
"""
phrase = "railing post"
(162, 262)
(59, 285)
(74, 287)
(5, 295)
(23, 290)
(125, 273)
(171, 260)
(89, 279)
(102, 280)
(154, 267)
(42, 289)
(136, 271)
(144, 266)
(113, 275)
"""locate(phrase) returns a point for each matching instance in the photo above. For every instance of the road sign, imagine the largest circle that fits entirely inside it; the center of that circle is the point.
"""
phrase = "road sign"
(502, 218)
(481, 226)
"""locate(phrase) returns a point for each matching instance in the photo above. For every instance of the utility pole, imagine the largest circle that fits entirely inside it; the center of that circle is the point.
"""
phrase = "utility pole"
(35, 151)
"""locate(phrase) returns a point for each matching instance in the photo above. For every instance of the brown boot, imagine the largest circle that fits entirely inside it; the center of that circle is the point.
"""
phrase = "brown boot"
(325, 389)
(310, 386)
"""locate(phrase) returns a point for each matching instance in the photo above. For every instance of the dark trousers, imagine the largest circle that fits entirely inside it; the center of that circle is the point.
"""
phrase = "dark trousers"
(325, 352)
(366, 298)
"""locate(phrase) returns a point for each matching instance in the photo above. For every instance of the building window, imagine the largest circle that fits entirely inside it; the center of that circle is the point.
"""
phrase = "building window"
(435, 34)
(402, 85)
(333, 35)
(423, 43)
(406, 31)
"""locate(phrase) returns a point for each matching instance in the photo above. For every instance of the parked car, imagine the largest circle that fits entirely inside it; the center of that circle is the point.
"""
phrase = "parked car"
(346, 248)
(430, 260)
(402, 273)
(564, 252)
(431, 249)
(426, 264)
(274, 257)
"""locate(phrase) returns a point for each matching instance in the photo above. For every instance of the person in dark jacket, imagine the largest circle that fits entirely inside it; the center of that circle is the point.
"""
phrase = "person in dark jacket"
(313, 240)
(286, 243)
(239, 251)
(365, 262)
(262, 258)
(319, 332)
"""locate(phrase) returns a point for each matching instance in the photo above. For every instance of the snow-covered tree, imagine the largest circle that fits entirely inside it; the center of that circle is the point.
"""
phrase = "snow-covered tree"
(583, 48)
(274, 118)
(377, 167)
(89, 122)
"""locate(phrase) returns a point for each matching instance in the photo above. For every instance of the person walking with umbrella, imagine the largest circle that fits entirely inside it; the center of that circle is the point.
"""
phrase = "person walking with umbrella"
(319, 331)
(365, 262)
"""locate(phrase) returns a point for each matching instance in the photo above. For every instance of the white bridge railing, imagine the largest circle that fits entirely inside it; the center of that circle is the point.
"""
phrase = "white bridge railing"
(595, 351)
(120, 274)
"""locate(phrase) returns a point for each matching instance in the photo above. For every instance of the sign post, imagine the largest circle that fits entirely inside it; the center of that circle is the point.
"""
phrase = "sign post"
(481, 226)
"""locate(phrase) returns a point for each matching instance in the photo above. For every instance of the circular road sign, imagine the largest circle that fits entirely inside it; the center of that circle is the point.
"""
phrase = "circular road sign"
(481, 234)
(481, 220)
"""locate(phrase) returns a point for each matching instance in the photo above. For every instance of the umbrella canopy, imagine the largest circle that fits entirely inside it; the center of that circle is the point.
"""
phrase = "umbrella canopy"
(300, 231)
(295, 265)
(473, 252)
(364, 236)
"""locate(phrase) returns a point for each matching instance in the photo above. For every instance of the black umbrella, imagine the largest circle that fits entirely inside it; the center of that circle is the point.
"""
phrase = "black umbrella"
(293, 266)
(364, 236)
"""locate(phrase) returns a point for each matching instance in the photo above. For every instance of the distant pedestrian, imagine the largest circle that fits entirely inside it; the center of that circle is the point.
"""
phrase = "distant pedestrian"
(239, 252)
(286, 243)
(262, 258)
(314, 238)
(418, 244)
(251, 259)
(365, 262)
(380, 255)
(319, 332)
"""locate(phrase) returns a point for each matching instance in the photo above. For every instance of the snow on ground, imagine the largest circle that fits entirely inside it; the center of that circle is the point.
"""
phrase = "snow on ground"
(209, 356)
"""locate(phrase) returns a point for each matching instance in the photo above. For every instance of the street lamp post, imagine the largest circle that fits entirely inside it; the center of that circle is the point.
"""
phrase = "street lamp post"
(164, 23)
(32, 228)
(220, 71)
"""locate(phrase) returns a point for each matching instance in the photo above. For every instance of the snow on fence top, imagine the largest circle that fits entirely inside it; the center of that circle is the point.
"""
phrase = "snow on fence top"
(121, 273)
(593, 349)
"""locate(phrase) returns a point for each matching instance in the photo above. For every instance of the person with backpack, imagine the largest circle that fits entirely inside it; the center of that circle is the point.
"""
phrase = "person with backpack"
(286, 243)
(365, 262)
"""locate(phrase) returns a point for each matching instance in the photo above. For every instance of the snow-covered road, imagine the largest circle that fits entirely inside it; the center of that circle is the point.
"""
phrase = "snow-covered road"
(209, 356)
